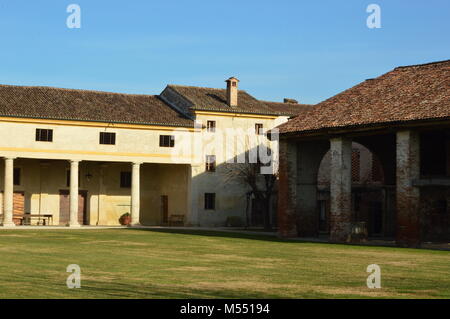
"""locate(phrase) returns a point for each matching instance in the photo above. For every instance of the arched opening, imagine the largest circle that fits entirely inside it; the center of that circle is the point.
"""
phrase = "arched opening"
(372, 199)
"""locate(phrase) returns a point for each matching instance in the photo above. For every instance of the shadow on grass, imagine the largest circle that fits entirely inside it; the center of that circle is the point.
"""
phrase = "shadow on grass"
(222, 234)
(119, 288)
(270, 238)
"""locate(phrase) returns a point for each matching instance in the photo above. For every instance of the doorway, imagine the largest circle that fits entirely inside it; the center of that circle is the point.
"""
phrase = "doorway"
(18, 207)
(164, 209)
(376, 219)
(64, 207)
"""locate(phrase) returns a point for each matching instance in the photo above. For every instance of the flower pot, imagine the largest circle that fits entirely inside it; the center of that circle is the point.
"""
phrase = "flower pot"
(125, 220)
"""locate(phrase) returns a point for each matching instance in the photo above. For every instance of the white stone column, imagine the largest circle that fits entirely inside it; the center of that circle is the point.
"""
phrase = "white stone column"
(8, 193)
(74, 194)
(135, 194)
(341, 189)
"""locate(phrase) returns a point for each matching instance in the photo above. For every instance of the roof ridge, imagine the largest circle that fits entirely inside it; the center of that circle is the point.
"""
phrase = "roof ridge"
(200, 87)
(422, 64)
(75, 90)
(286, 103)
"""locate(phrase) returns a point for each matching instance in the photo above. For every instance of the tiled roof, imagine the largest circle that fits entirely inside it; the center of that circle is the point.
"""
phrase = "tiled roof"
(290, 109)
(410, 93)
(209, 99)
(83, 105)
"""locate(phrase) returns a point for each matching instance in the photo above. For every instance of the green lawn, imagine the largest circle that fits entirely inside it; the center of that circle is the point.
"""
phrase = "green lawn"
(126, 263)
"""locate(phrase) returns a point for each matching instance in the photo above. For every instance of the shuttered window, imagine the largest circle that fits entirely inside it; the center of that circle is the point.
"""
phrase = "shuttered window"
(166, 141)
(210, 201)
(44, 135)
(107, 138)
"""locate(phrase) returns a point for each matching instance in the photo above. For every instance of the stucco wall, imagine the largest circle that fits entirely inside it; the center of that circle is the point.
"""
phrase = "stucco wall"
(82, 143)
(230, 195)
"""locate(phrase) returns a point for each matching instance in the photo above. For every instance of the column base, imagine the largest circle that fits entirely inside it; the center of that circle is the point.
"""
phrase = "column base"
(8, 225)
(74, 225)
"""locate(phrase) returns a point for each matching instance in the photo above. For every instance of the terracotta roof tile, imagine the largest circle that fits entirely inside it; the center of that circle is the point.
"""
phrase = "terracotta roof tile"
(411, 93)
(69, 104)
(209, 99)
(290, 109)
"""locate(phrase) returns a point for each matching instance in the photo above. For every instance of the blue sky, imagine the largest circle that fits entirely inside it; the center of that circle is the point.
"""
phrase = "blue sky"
(308, 50)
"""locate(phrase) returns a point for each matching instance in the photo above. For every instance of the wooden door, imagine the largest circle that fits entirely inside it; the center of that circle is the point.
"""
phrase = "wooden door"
(164, 209)
(18, 206)
(64, 207)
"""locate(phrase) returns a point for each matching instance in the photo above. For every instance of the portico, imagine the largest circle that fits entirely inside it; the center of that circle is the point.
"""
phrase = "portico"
(81, 192)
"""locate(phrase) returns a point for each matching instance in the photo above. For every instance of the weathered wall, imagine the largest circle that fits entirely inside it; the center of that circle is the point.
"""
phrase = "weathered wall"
(408, 196)
(340, 189)
(287, 189)
(230, 194)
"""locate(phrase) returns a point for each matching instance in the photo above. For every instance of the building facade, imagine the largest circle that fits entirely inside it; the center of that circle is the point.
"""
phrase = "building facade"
(75, 157)
(403, 118)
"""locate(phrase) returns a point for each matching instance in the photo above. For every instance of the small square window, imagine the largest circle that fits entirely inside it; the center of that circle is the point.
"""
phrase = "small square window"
(166, 141)
(259, 129)
(107, 138)
(210, 201)
(16, 177)
(211, 126)
(44, 135)
(125, 179)
(210, 163)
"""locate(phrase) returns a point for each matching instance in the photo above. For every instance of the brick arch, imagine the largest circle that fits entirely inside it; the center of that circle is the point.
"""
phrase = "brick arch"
(383, 148)
(364, 170)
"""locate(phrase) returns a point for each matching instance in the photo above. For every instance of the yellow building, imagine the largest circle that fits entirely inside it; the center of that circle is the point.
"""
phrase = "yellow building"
(77, 157)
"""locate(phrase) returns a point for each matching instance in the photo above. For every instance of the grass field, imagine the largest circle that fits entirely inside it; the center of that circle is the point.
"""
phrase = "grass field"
(127, 263)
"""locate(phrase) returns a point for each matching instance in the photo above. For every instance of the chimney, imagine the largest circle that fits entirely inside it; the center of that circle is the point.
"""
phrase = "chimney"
(232, 91)
(290, 101)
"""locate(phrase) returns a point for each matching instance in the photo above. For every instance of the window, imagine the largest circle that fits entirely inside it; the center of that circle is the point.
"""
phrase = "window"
(211, 126)
(43, 135)
(210, 201)
(107, 138)
(259, 128)
(166, 141)
(125, 179)
(16, 177)
(210, 163)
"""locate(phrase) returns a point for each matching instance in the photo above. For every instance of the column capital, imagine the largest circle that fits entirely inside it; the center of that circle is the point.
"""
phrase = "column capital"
(9, 158)
(74, 161)
(137, 163)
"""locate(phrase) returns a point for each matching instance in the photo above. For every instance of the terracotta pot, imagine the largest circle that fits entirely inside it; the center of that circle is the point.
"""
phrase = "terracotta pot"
(125, 220)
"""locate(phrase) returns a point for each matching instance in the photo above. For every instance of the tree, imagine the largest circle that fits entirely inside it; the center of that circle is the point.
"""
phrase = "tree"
(261, 185)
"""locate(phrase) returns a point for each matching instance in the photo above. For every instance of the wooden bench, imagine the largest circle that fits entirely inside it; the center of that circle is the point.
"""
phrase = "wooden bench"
(176, 220)
(18, 219)
(45, 219)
